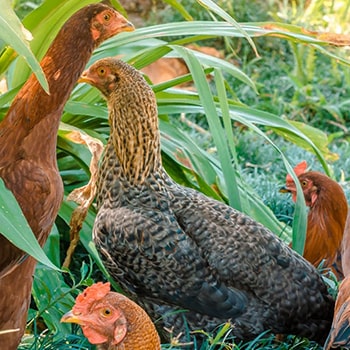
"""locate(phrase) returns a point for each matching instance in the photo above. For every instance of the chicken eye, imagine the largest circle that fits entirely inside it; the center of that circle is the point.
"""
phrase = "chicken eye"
(107, 17)
(106, 312)
(101, 72)
(303, 183)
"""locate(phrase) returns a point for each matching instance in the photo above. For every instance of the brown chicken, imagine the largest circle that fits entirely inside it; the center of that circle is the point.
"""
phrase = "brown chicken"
(339, 336)
(326, 218)
(112, 320)
(183, 255)
(167, 68)
(28, 152)
(345, 248)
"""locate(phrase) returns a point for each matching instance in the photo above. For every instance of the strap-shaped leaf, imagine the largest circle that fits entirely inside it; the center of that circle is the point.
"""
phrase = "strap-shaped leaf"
(14, 226)
(14, 34)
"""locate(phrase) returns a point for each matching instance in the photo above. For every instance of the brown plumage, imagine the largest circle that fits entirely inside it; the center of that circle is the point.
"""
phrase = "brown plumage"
(172, 248)
(112, 321)
(28, 152)
(167, 68)
(345, 248)
(326, 217)
(328, 240)
(339, 335)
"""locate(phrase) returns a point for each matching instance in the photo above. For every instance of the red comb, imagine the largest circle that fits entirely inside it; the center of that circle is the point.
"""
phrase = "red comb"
(91, 294)
(298, 169)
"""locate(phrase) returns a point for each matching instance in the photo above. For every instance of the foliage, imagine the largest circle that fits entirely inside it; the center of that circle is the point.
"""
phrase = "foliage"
(246, 91)
(296, 80)
(13, 223)
(13, 33)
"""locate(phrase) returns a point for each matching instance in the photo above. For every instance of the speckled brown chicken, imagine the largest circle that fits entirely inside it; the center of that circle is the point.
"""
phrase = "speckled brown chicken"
(112, 321)
(173, 248)
(326, 218)
(28, 152)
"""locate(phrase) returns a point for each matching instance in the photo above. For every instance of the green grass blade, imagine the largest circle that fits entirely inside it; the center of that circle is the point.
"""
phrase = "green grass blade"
(12, 33)
(181, 9)
(15, 228)
(224, 15)
(224, 109)
(214, 123)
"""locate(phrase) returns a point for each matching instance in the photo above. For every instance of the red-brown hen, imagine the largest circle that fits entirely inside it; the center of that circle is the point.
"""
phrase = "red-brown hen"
(28, 152)
(112, 320)
(326, 218)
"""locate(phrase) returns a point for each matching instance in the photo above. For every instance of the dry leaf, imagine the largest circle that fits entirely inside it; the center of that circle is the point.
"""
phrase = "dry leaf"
(85, 195)
(335, 39)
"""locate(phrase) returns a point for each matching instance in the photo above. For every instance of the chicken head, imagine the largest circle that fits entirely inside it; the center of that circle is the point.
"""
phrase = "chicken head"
(100, 320)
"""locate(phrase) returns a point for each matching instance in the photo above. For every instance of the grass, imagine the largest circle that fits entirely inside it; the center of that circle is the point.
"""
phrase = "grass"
(219, 340)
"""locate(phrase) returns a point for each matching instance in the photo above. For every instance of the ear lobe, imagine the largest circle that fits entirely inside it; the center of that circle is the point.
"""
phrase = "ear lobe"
(313, 198)
(120, 333)
(111, 86)
(95, 33)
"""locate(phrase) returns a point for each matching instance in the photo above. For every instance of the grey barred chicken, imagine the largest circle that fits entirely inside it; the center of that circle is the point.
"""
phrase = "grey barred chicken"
(172, 248)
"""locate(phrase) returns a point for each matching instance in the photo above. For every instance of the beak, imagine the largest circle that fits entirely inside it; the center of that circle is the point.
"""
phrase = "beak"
(128, 27)
(69, 317)
(84, 78)
(284, 190)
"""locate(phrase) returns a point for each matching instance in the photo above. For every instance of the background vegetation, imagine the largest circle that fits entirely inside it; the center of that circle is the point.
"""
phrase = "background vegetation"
(279, 96)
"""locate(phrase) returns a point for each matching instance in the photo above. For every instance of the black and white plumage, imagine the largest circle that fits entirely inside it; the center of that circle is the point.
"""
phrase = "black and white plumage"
(173, 248)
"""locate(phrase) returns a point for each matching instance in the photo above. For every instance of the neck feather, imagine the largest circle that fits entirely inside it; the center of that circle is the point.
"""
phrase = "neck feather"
(330, 215)
(135, 133)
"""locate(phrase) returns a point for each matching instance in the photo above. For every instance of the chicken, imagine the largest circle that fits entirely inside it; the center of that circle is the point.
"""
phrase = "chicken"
(339, 335)
(328, 240)
(28, 152)
(112, 320)
(345, 248)
(326, 217)
(167, 68)
(174, 249)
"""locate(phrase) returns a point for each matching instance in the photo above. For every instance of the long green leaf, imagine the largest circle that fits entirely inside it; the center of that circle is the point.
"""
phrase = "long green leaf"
(181, 9)
(15, 35)
(225, 113)
(181, 103)
(214, 124)
(14, 226)
(318, 137)
(224, 15)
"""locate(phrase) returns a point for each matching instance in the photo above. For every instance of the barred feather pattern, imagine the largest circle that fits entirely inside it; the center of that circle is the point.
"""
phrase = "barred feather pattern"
(172, 248)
